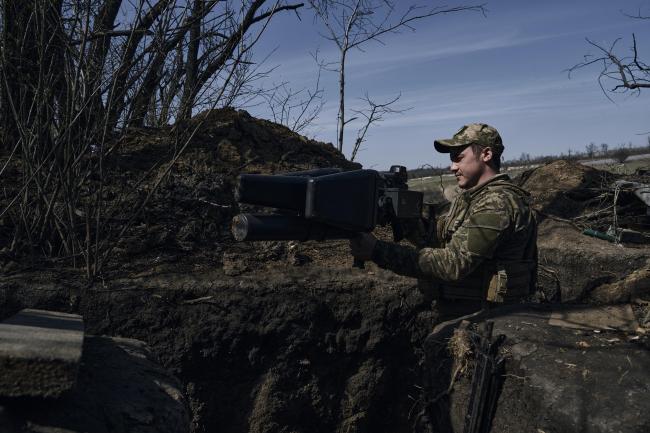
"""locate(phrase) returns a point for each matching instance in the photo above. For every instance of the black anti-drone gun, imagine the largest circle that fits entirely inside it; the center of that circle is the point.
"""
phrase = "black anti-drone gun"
(325, 204)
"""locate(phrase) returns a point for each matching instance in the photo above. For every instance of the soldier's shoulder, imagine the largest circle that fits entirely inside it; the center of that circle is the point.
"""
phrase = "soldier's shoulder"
(497, 192)
(502, 195)
(508, 188)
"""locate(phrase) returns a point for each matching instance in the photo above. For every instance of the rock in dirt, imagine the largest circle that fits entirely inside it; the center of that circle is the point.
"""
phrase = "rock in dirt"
(120, 389)
(557, 379)
(39, 353)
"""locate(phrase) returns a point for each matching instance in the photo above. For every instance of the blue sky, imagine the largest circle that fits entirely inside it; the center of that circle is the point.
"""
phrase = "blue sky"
(506, 69)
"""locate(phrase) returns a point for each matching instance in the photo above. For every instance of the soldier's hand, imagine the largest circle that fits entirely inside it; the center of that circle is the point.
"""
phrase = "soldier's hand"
(362, 246)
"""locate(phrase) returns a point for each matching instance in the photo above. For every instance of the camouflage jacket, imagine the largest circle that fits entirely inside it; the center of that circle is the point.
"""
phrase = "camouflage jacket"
(486, 246)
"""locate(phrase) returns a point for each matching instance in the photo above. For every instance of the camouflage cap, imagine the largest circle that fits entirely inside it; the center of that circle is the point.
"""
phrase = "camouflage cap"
(474, 133)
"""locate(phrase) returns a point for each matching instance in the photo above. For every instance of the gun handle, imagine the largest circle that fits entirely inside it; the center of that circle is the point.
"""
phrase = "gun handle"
(358, 263)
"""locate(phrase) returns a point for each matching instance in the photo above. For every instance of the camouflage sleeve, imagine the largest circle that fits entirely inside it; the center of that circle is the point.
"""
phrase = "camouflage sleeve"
(401, 259)
(475, 240)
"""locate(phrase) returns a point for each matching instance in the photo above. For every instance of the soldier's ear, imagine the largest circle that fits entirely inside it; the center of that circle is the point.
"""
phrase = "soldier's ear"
(487, 155)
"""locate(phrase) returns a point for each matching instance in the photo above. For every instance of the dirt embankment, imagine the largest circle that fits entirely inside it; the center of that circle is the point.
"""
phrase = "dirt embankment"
(572, 200)
(265, 337)
(297, 349)
(280, 336)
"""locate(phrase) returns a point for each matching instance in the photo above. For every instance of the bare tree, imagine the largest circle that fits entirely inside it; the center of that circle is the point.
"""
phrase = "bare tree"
(620, 154)
(591, 149)
(604, 147)
(374, 113)
(73, 78)
(223, 41)
(350, 24)
(296, 109)
(620, 72)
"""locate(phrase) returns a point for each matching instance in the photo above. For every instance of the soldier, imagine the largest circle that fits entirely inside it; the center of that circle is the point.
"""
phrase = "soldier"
(485, 249)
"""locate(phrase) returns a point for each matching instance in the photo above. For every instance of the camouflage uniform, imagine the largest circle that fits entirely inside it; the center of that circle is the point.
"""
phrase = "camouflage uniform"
(485, 248)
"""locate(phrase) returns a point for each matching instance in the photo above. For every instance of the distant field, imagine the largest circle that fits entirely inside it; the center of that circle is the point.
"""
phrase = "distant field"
(433, 186)
(629, 167)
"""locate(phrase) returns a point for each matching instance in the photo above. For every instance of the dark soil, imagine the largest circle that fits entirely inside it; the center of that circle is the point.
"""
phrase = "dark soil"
(273, 336)
(300, 349)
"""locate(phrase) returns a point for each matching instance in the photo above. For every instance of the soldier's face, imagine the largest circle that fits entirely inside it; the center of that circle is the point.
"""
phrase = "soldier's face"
(467, 167)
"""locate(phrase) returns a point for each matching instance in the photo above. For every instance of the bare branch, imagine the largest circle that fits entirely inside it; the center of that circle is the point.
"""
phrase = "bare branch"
(72, 78)
(618, 73)
(350, 24)
(373, 114)
(270, 13)
(284, 103)
(113, 34)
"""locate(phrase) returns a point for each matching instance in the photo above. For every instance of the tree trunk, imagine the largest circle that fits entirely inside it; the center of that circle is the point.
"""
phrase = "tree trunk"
(340, 125)
(19, 64)
(33, 62)
(104, 22)
(191, 65)
(120, 86)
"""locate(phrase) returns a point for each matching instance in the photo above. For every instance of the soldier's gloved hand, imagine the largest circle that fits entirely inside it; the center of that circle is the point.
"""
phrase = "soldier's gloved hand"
(362, 246)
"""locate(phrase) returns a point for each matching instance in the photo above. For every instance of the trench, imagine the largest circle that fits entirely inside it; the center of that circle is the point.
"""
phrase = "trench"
(284, 353)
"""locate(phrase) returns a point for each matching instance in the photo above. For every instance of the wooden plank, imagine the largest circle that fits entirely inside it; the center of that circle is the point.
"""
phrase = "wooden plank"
(40, 353)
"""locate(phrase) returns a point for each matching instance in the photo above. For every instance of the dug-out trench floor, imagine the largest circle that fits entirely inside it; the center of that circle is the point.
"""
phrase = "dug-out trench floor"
(302, 349)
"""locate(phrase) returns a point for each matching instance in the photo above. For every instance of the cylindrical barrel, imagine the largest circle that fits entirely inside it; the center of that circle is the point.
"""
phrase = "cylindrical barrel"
(316, 172)
(250, 227)
(282, 192)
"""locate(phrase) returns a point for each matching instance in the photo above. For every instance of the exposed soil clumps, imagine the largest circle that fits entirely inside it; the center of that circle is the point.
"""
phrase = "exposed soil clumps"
(265, 337)
(563, 188)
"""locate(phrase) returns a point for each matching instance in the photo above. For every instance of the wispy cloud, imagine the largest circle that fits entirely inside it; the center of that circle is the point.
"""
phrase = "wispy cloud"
(399, 53)
(427, 46)
(475, 101)
(504, 70)
(481, 100)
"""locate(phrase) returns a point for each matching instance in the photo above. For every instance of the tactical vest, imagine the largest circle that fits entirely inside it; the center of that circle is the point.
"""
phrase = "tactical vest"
(495, 280)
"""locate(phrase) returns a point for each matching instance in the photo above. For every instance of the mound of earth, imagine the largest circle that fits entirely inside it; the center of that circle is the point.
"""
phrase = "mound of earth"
(571, 198)
(563, 188)
(586, 196)
(264, 337)
(171, 190)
